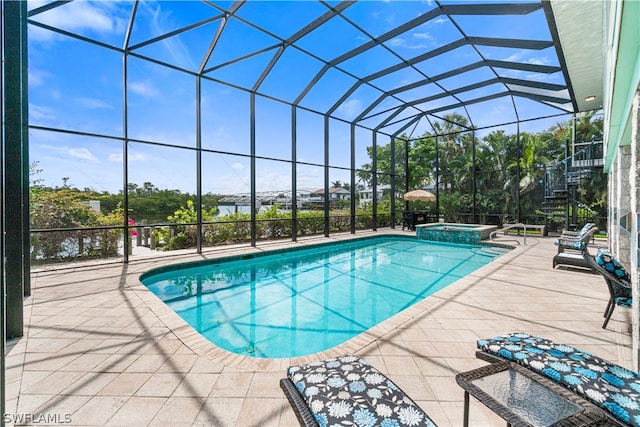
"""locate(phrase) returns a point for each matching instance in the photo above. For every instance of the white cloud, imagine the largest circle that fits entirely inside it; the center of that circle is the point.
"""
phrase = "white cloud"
(423, 36)
(40, 114)
(159, 23)
(400, 42)
(145, 89)
(37, 77)
(77, 16)
(519, 56)
(439, 20)
(93, 103)
(83, 153)
(351, 108)
(237, 166)
(133, 157)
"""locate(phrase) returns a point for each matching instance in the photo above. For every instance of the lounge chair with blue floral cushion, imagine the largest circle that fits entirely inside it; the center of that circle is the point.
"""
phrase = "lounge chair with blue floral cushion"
(571, 249)
(609, 386)
(617, 279)
(348, 391)
(567, 234)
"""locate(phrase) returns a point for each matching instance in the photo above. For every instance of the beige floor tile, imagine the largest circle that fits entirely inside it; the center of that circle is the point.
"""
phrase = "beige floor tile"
(232, 384)
(147, 363)
(196, 385)
(178, 411)
(433, 366)
(288, 417)
(223, 412)
(91, 383)
(125, 384)
(62, 407)
(179, 363)
(446, 389)
(47, 361)
(207, 366)
(98, 410)
(414, 385)
(85, 362)
(260, 412)
(401, 365)
(110, 345)
(116, 363)
(138, 411)
(54, 383)
(32, 403)
(161, 384)
(164, 346)
(265, 384)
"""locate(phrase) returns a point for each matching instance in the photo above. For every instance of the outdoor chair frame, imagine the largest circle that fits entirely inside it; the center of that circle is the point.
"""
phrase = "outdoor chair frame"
(617, 289)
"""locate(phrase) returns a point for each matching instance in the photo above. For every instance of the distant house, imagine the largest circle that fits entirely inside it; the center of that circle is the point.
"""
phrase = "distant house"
(366, 195)
(335, 193)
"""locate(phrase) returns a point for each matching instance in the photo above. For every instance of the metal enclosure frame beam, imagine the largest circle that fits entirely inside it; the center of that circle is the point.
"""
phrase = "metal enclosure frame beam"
(15, 165)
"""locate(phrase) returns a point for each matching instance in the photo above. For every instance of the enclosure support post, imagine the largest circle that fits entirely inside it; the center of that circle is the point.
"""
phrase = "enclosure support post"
(393, 179)
(254, 199)
(294, 175)
(353, 178)
(15, 166)
(406, 172)
(199, 227)
(437, 180)
(374, 180)
(473, 180)
(518, 173)
(327, 224)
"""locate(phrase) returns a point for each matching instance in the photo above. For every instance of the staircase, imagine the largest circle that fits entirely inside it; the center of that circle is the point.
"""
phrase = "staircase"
(562, 180)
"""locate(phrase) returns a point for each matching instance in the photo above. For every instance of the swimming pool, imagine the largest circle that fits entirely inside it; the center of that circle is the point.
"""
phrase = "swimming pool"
(301, 301)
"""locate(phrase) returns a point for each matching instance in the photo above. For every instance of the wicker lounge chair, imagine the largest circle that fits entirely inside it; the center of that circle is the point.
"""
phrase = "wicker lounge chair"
(585, 228)
(617, 279)
(348, 390)
(571, 249)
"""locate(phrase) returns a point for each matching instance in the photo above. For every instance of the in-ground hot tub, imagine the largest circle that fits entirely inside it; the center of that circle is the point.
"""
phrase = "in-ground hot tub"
(454, 233)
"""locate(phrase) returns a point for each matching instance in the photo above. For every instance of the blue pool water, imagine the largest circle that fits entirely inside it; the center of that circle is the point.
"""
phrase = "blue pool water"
(298, 302)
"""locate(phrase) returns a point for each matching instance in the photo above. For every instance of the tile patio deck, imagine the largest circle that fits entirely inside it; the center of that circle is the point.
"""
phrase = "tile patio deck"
(99, 349)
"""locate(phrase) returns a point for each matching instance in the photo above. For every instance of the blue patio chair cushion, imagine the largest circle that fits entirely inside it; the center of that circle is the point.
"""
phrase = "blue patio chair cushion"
(613, 266)
(578, 245)
(348, 391)
(624, 302)
(585, 229)
(607, 385)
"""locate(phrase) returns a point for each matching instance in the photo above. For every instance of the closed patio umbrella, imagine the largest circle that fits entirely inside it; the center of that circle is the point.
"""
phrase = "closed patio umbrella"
(420, 195)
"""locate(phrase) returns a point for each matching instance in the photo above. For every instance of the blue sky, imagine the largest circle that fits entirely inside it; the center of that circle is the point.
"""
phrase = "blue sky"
(75, 85)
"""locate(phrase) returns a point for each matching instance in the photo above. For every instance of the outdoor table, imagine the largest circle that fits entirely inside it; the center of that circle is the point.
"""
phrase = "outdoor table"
(524, 398)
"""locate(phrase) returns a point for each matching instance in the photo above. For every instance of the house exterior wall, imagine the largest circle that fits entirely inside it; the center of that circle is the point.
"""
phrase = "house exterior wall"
(634, 247)
(622, 143)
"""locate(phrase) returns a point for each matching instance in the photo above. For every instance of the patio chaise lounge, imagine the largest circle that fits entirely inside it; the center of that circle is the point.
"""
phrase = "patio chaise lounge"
(348, 390)
(571, 249)
(585, 228)
(614, 389)
(617, 279)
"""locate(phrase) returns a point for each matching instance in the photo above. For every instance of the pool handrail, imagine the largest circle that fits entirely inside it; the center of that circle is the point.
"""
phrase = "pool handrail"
(509, 227)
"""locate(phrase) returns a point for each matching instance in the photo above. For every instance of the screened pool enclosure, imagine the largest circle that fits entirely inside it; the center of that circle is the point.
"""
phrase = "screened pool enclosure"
(220, 122)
